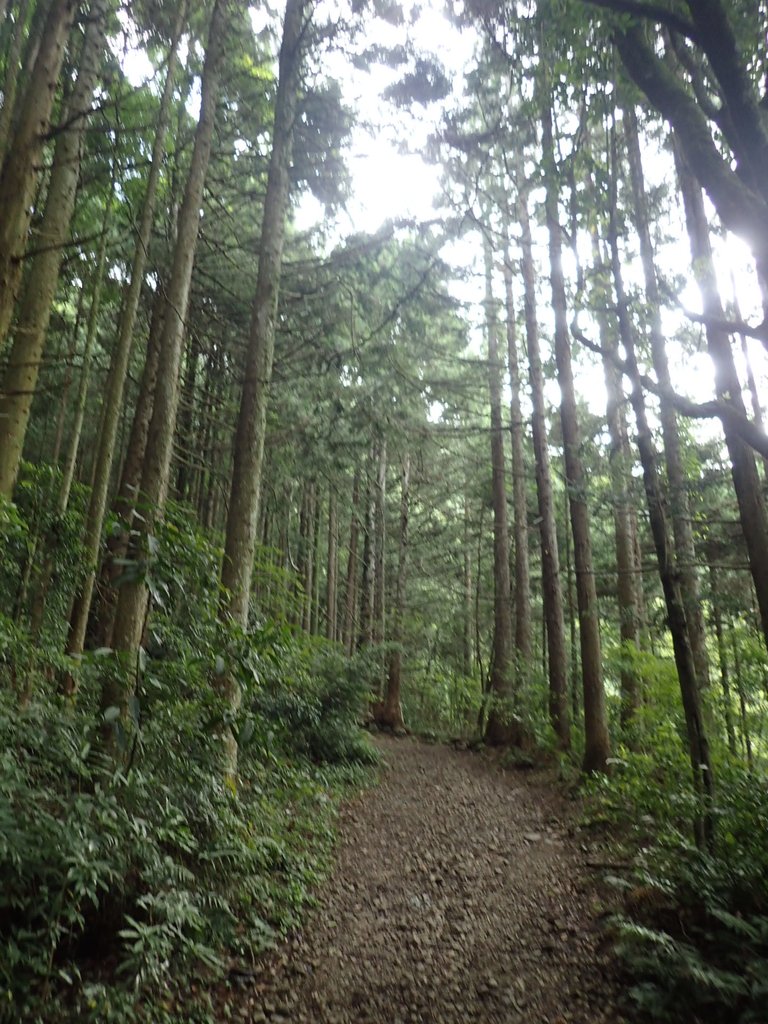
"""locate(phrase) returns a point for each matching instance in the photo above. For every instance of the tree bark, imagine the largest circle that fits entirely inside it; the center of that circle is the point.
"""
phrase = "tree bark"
(620, 462)
(133, 598)
(251, 423)
(500, 727)
(332, 568)
(390, 712)
(350, 593)
(22, 165)
(746, 481)
(684, 546)
(698, 746)
(378, 627)
(21, 373)
(11, 79)
(596, 740)
(522, 582)
(551, 585)
(722, 657)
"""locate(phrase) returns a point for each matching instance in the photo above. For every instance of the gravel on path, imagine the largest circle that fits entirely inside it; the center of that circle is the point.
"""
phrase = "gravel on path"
(460, 895)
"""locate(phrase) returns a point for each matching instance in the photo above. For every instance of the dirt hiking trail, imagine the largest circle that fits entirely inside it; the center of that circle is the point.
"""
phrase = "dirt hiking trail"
(459, 895)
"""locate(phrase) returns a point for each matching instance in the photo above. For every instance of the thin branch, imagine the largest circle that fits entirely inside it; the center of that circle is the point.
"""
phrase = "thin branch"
(729, 416)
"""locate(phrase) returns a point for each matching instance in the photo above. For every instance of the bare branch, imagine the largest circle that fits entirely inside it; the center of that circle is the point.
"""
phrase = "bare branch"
(729, 416)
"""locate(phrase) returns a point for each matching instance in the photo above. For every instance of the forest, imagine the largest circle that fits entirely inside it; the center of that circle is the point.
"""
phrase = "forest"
(283, 495)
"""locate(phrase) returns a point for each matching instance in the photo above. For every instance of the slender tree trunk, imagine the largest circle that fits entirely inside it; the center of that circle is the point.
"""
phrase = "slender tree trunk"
(522, 582)
(717, 621)
(746, 480)
(307, 561)
(85, 370)
(745, 737)
(11, 79)
(350, 595)
(684, 547)
(251, 424)
(596, 741)
(378, 628)
(551, 586)
(620, 462)
(466, 646)
(332, 567)
(68, 473)
(22, 165)
(118, 368)
(390, 713)
(20, 377)
(367, 580)
(698, 746)
(92, 626)
(500, 728)
(133, 598)
(67, 383)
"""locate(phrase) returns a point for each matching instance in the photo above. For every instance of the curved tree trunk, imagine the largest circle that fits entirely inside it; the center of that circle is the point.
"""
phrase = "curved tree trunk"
(746, 481)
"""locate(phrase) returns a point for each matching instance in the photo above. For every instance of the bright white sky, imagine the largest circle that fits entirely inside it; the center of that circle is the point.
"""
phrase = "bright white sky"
(390, 180)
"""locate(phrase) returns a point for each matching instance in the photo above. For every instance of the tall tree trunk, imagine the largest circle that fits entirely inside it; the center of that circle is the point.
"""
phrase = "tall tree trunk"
(684, 547)
(466, 636)
(367, 579)
(70, 462)
(378, 628)
(118, 368)
(20, 377)
(61, 416)
(22, 165)
(332, 567)
(744, 725)
(596, 741)
(390, 713)
(722, 657)
(307, 555)
(620, 463)
(746, 480)
(551, 586)
(500, 727)
(133, 598)
(522, 582)
(240, 537)
(350, 593)
(11, 79)
(251, 424)
(698, 746)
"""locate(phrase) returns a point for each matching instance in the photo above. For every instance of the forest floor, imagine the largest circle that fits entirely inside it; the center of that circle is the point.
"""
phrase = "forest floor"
(461, 893)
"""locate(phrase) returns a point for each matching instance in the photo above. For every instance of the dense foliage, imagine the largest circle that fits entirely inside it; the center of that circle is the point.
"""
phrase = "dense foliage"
(499, 474)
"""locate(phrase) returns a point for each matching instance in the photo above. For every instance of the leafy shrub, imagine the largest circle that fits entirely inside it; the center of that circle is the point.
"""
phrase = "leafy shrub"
(694, 931)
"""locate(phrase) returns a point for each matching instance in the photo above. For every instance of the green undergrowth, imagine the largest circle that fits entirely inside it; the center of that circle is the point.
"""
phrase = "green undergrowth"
(119, 886)
(692, 931)
(129, 893)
